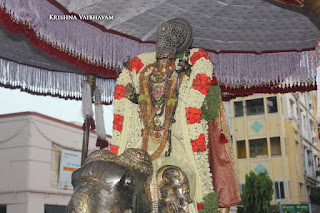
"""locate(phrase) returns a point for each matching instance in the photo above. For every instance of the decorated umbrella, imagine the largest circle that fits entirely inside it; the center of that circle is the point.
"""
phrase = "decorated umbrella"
(48, 47)
(254, 44)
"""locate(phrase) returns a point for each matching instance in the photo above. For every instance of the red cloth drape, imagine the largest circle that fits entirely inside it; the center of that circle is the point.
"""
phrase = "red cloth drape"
(222, 167)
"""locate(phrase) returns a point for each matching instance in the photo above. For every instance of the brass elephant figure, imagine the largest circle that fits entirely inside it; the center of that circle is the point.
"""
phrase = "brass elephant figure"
(107, 183)
(110, 184)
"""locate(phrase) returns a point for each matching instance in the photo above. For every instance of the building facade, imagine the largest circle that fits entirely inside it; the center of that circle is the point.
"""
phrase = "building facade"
(278, 133)
(33, 148)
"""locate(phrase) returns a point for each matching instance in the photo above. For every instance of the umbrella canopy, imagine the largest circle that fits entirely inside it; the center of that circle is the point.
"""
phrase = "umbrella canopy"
(255, 45)
(220, 26)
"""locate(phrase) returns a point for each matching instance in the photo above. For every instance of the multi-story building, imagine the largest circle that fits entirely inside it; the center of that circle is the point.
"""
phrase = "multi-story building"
(300, 111)
(277, 133)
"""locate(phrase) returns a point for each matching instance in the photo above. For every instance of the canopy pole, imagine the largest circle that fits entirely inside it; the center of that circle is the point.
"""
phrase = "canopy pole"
(91, 79)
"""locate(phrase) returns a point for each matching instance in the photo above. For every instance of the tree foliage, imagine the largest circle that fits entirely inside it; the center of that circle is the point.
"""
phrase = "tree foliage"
(315, 195)
(257, 192)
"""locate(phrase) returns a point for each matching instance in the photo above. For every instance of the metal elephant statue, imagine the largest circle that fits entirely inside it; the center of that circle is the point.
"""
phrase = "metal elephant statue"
(107, 183)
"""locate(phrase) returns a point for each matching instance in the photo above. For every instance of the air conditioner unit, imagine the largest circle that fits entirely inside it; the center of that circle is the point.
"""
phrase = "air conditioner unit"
(310, 106)
(315, 139)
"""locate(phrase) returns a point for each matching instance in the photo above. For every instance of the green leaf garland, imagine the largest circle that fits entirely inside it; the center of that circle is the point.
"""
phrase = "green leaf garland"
(210, 203)
(210, 107)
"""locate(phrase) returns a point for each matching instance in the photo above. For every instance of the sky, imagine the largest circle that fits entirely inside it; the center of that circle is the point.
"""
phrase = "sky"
(13, 101)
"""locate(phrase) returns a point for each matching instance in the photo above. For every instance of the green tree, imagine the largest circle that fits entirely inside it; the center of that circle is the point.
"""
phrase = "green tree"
(315, 196)
(257, 192)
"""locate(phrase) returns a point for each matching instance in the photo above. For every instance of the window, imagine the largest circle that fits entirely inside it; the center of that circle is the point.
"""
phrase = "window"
(309, 157)
(255, 106)
(275, 146)
(258, 147)
(3, 209)
(272, 104)
(54, 209)
(241, 148)
(238, 108)
(279, 190)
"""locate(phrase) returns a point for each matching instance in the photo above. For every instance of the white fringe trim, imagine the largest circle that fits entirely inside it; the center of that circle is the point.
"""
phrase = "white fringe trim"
(64, 84)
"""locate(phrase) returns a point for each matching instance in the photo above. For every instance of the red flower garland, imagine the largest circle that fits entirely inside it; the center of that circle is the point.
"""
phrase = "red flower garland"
(136, 64)
(119, 92)
(197, 55)
(117, 122)
(199, 144)
(202, 83)
(193, 115)
(114, 149)
(200, 206)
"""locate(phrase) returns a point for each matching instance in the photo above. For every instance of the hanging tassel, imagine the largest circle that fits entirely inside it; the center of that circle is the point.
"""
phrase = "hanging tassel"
(102, 143)
(100, 128)
(89, 121)
(222, 138)
(87, 111)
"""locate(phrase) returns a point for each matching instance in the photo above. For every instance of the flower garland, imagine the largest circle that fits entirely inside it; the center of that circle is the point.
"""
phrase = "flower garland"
(127, 132)
(199, 54)
(192, 92)
(119, 92)
(117, 122)
(199, 144)
(136, 64)
(202, 83)
(210, 107)
(114, 149)
(210, 204)
(193, 115)
(201, 89)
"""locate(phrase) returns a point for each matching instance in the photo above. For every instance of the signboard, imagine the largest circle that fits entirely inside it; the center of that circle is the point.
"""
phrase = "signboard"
(69, 161)
(296, 208)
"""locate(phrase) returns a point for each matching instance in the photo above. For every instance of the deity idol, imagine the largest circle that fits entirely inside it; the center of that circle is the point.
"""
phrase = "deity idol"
(168, 103)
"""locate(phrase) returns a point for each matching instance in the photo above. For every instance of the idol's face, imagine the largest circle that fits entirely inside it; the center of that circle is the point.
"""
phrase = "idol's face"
(165, 66)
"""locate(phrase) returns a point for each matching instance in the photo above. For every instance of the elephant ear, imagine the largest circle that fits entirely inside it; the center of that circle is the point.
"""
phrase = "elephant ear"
(126, 188)
(141, 198)
(76, 177)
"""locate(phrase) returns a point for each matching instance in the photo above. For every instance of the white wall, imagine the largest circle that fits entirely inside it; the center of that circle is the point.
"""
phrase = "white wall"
(28, 167)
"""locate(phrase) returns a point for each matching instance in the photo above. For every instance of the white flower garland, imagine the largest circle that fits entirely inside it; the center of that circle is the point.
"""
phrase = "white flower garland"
(194, 99)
